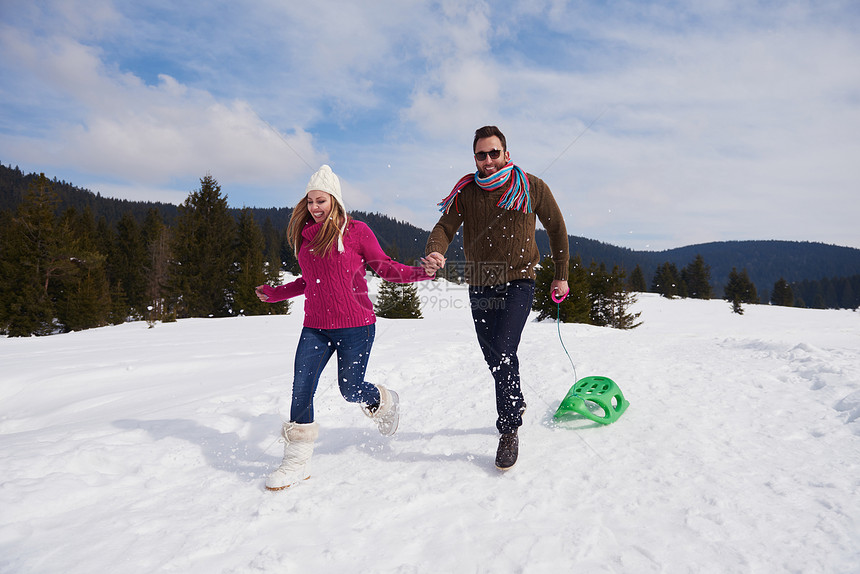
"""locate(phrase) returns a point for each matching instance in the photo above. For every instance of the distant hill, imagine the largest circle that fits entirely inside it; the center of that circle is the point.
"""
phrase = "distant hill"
(765, 261)
(14, 184)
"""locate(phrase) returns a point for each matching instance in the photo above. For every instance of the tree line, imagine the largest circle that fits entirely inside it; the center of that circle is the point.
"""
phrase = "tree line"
(802, 264)
(766, 261)
(827, 293)
(71, 271)
(694, 281)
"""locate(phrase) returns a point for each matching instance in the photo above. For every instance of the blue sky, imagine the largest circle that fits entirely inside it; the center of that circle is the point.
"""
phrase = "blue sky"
(656, 124)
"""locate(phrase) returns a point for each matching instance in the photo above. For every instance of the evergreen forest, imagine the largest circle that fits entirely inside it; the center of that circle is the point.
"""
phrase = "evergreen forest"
(66, 270)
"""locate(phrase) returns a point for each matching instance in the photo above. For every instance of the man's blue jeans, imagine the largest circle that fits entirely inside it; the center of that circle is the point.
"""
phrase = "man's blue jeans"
(315, 348)
(500, 313)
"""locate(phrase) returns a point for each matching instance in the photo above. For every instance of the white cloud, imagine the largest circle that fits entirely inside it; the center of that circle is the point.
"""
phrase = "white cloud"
(150, 134)
(700, 108)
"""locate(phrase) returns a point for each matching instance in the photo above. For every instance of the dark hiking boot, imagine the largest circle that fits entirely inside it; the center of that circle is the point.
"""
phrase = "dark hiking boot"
(509, 446)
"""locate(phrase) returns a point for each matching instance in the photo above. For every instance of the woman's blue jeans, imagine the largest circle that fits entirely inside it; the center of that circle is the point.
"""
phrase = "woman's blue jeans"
(315, 348)
(500, 313)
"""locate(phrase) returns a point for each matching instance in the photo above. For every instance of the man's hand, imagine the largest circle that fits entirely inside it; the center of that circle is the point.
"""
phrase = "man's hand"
(559, 288)
(433, 262)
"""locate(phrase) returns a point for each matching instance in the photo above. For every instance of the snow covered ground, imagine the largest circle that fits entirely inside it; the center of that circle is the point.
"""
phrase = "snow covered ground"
(136, 450)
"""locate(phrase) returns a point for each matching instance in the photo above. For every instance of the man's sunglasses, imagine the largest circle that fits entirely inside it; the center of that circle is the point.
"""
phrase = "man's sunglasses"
(493, 153)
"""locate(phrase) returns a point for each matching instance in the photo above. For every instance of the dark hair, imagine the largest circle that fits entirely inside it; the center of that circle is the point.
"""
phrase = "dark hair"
(488, 132)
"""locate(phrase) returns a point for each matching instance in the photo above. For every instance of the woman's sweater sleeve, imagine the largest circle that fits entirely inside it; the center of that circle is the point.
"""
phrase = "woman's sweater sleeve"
(286, 291)
(384, 265)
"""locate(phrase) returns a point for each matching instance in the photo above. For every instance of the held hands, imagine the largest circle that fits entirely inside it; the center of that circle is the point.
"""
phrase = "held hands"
(433, 262)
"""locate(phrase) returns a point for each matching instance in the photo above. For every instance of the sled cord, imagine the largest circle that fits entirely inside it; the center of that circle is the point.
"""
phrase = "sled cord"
(558, 325)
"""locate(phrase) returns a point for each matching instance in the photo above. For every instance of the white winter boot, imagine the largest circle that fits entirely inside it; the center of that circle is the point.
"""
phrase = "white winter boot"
(387, 414)
(297, 455)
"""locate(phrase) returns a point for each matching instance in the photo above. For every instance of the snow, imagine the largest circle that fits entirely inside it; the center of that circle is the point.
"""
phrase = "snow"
(137, 450)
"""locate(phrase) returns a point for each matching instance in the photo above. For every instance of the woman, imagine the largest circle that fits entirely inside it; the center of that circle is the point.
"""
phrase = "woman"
(332, 250)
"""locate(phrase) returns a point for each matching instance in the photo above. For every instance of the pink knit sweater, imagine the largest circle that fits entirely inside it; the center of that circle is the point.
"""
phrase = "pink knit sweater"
(334, 286)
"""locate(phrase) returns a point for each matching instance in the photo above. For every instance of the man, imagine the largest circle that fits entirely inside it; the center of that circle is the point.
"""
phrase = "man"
(497, 206)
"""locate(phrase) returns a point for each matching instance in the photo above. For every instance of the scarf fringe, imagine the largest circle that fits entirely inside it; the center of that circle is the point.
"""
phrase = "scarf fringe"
(445, 204)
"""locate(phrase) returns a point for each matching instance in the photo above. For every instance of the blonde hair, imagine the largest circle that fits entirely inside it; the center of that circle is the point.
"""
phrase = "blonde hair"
(328, 235)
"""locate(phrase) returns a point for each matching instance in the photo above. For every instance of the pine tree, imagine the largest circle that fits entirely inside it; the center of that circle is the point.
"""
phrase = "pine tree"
(782, 294)
(289, 262)
(129, 263)
(740, 290)
(85, 302)
(274, 263)
(118, 305)
(203, 249)
(576, 307)
(610, 299)
(105, 243)
(846, 294)
(637, 281)
(7, 265)
(697, 278)
(736, 305)
(601, 290)
(84, 229)
(667, 282)
(35, 258)
(252, 269)
(83, 298)
(828, 292)
(156, 238)
(398, 301)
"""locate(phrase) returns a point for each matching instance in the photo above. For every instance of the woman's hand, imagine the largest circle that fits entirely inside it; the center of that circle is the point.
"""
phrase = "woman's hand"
(261, 293)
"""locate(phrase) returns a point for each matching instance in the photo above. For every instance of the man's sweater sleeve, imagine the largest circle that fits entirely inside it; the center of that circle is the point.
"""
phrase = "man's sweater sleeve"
(552, 220)
(443, 233)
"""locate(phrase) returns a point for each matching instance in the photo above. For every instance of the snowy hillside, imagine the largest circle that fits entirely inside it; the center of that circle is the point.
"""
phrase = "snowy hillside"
(136, 450)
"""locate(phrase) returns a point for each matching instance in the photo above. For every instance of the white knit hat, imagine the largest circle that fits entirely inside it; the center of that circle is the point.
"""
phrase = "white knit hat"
(325, 180)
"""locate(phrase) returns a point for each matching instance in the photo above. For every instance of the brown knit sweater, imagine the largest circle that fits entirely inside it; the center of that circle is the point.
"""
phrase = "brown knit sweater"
(499, 244)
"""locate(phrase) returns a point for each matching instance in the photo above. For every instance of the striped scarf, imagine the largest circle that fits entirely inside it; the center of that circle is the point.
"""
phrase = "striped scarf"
(516, 198)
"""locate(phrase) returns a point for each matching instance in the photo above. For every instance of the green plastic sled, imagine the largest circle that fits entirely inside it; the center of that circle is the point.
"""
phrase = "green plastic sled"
(601, 391)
